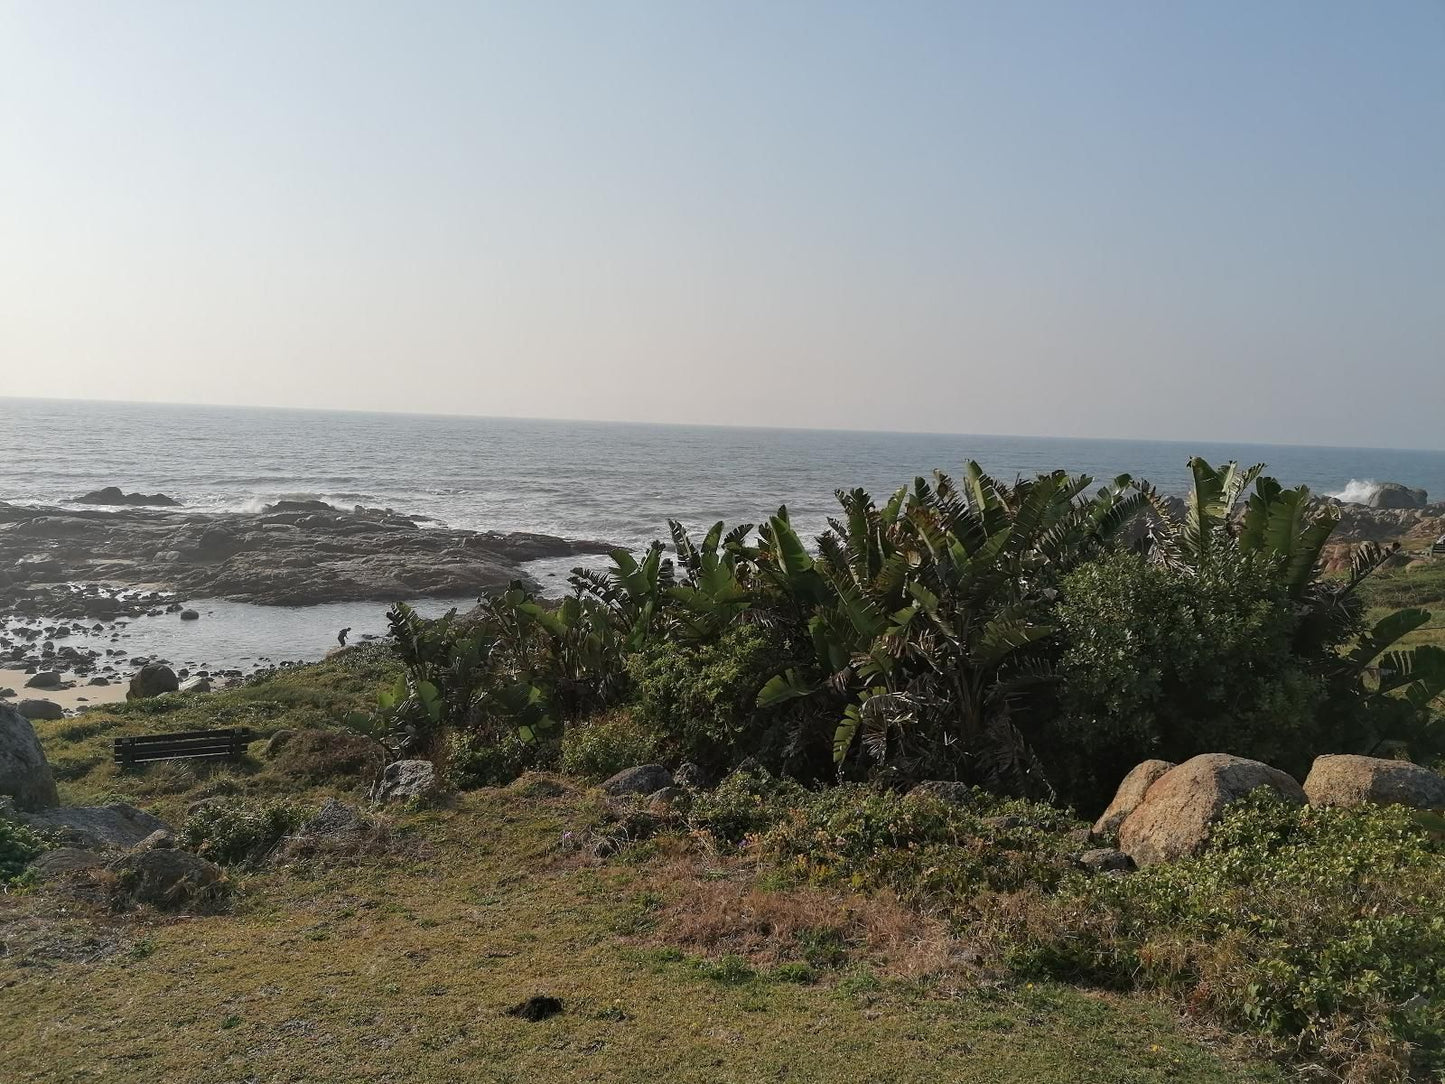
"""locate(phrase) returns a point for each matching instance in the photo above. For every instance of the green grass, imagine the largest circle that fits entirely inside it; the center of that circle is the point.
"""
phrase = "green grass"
(400, 966)
(402, 969)
(1422, 585)
(80, 748)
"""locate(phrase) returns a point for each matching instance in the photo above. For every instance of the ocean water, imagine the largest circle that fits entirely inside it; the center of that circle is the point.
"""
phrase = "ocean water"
(617, 483)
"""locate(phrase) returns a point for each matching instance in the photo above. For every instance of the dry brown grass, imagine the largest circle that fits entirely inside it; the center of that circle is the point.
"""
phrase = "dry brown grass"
(719, 911)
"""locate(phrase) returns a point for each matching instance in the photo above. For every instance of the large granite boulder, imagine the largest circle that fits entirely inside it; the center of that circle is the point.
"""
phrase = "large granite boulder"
(43, 710)
(643, 779)
(1354, 780)
(152, 679)
(168, 879)
(1179, 809)
(1395, 495)
(406, 781)
(24, 772)
(101, 827)
(1130, 793)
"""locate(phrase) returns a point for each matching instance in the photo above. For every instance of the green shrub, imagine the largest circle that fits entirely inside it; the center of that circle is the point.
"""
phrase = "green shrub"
(19, 846)
(476, 760)
(1163, 663)
(700, 700)
(603, 746)
(239, 831)
(745, 803)
(926, 851)
(1321, 927)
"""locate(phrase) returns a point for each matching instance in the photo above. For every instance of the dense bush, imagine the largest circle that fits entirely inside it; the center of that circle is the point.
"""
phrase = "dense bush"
(1158, 664)
(19, 846)
(1320, 927)
(239, 831)
(925, 850)
(972, 630)
(700, 701)
(483, 760)
(606, 744)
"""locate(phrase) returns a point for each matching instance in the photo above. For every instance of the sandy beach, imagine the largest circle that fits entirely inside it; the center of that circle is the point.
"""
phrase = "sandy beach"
(80, 695)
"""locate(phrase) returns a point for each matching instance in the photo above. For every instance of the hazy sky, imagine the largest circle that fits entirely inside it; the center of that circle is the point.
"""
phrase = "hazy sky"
(1198, 220)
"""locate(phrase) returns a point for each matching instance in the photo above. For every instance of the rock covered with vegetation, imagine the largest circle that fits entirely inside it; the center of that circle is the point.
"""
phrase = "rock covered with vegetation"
(1181, 807)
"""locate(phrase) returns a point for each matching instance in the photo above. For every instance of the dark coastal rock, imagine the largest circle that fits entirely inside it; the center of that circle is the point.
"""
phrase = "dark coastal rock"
(112, 495)
(190, 615)
(1395, 495)
(152, 680)
(285, 556)
(115, 826)
(1106, 860)
(64, 862)
(46, 679)
(643, 779)
(40, 710)
(167, 879)
(25, 774)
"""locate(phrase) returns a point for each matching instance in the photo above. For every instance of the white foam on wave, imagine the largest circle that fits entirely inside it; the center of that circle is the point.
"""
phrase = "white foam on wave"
(1357, 491)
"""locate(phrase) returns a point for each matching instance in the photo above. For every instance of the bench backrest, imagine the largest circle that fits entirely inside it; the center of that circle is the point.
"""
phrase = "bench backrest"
(230, 743)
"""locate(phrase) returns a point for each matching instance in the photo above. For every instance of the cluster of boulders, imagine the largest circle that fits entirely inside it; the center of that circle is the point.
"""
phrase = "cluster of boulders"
(133, 847)
(1163, 812)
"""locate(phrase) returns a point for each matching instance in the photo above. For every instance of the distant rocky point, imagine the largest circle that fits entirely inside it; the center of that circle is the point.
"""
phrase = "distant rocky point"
(296, 553)
(112, 495)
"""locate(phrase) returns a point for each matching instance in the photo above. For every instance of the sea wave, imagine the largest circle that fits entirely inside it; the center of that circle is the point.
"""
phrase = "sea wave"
(1357, 491)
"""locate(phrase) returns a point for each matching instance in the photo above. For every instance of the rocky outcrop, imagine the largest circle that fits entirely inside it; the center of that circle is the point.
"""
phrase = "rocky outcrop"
(293, 554)
(25, 774)
(152, 680)
(167, 879)
(1346, 780)
(406, 781)
(1395, 495)
(946, 791)
(40, 710)
(1105, 860)
(115, 826)
(1179, 809)
(112, 495)
(643, 779)
(1130, 793)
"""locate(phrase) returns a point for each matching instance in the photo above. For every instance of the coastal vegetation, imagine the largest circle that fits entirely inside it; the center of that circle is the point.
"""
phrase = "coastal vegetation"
(872, 858)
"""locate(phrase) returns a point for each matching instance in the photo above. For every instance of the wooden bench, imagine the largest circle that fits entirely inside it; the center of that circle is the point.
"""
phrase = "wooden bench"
(229, 743)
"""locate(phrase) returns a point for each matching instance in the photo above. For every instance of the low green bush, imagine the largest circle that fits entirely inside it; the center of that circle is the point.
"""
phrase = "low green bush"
(1321, 928)
(476, 760)
(605, 745)
(924, 850)
(700, 700)
(239, 831)
(19, 846)
(1158, 663)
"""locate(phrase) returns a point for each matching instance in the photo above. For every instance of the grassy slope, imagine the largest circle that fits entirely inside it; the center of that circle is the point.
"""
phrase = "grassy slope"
(399, 968)
(1421, 585)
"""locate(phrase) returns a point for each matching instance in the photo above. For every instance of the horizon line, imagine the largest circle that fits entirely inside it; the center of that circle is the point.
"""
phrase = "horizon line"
(706, 425)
